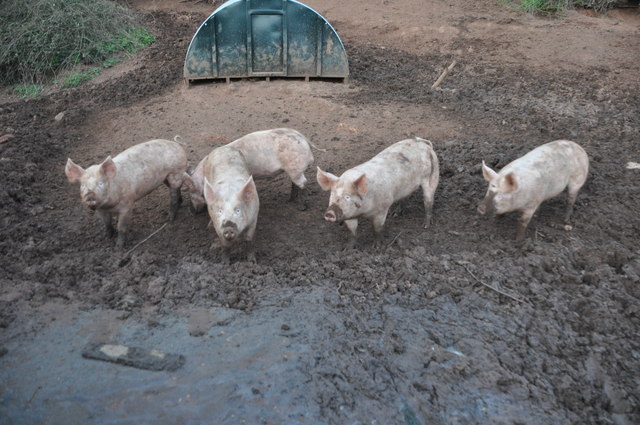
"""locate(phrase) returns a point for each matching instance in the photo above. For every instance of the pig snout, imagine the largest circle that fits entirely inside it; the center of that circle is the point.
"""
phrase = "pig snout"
(333, 214)
(90, 200)
(486, 206)
(229, 230)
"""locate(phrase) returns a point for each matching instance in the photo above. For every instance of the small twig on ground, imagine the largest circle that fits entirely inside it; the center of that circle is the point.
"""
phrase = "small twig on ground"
(394, 239)
(34, 394)
(491, 287)
(144, 240)
(443, 75)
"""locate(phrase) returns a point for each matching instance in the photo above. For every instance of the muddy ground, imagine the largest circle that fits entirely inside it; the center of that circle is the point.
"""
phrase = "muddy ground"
(310, 334)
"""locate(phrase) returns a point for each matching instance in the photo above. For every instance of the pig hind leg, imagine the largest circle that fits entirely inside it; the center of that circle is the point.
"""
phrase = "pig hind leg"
(298, 192)
(174, 182)
(428, 192)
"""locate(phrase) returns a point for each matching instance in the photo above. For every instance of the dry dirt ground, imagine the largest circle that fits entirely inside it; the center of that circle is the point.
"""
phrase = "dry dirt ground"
(311, 334)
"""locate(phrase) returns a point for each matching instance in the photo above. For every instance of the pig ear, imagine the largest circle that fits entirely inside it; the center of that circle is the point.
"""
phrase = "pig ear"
(487, 172)
(210, 195)
(73, 171)
(510, 183)
(249, 191)
(108, 168)
(325, 180)
(361, 185)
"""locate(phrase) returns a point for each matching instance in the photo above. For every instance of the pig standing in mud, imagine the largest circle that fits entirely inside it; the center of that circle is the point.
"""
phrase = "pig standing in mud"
(113, 186)
(541, 174)
(266, 153)
(232, 200)
(369, 189)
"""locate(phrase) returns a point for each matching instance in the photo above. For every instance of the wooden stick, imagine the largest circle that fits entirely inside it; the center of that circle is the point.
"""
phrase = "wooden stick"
(491, 287)
(394, 239)
(144, 240)
(443, 75)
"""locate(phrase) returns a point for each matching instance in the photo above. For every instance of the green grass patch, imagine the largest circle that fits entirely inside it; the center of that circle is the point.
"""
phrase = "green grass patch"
(543, 6)
(78, 78)
(554, 7)
(110, 62)
(42, 38)
(26, 91)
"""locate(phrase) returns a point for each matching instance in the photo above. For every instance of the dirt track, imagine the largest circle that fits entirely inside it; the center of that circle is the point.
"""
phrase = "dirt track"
(312, 334)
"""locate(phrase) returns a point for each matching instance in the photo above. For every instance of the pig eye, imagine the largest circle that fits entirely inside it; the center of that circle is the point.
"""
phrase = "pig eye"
(237, 211)
(220, 212)
(347, 197)
(100, 185)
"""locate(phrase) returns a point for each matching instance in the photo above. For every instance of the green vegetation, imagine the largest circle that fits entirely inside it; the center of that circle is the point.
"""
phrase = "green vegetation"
(78, 78)
(41, 38)
(110, 62)
(552, 7)
(28, 90)
(544, 6)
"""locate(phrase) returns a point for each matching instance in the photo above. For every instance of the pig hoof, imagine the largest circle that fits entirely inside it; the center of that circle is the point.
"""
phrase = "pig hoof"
(349, 246)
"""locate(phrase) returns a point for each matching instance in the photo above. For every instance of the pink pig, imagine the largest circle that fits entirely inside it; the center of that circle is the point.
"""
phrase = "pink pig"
(369, 189)
(232, 200)
(113, 186)
(266, 153)
(543, 173)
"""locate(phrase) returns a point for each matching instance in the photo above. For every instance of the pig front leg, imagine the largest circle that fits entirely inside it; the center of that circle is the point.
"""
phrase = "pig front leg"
(124, 219)
(378, 226)
(248, 247)
(108, 224)
(249, 251)
(352, 225)
(523, 223)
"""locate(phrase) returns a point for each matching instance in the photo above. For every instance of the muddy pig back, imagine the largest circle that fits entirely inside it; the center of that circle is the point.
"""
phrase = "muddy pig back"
(270, 151)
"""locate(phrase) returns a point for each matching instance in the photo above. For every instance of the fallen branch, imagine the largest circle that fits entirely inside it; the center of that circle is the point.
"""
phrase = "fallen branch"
(443, 75)
(491, 287)
(144, 240)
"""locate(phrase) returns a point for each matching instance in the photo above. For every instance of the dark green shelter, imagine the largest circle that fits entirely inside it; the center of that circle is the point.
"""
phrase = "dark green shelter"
(265, 38)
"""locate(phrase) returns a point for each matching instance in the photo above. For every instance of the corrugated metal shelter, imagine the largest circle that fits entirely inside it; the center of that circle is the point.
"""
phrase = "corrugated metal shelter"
(264, 38)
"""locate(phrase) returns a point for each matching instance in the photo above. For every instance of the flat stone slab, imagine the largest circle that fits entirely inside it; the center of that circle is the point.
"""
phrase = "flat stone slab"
(140, 358)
